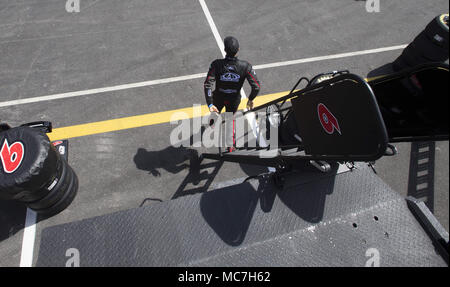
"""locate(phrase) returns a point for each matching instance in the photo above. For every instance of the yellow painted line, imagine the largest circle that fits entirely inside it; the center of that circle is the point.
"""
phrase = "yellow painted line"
(374, 78)
(142, 120)
(146, 120)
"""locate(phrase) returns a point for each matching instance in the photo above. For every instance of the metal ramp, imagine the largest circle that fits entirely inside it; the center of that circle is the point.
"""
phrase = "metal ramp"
(318, 219)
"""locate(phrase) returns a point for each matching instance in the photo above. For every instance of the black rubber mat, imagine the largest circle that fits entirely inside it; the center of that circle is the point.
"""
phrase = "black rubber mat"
(317, 220)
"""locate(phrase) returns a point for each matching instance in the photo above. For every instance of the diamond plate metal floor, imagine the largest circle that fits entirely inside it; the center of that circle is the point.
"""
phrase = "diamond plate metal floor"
(316, 220)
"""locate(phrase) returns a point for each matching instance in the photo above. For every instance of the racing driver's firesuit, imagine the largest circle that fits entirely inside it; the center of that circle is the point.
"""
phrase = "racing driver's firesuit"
(229, 75)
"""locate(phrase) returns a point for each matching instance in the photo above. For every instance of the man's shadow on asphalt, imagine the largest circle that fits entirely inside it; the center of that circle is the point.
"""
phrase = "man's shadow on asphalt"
(176, 159)
(201, 174)
(171, 159)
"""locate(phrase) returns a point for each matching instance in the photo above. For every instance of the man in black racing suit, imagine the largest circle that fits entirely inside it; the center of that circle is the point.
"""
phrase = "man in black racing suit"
(229, 75)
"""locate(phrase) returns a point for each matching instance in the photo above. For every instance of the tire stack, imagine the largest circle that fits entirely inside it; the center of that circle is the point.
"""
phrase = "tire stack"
(431, 45)
(43, 180)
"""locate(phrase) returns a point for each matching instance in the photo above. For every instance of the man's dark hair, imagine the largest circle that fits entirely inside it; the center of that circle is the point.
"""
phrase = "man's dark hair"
(231, 46)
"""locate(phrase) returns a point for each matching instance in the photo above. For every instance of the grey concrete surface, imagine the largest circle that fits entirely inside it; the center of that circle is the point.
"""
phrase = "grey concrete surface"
(285, 30)
(108, 43)
(45, 50)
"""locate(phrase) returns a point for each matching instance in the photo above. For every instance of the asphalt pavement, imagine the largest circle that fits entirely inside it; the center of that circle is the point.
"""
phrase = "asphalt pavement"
(47, 51)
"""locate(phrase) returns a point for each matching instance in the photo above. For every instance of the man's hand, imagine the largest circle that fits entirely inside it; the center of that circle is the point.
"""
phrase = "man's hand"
(249, 105)
(213, 109)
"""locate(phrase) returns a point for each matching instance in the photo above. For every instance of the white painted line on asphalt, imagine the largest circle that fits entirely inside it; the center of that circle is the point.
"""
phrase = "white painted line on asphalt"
(188, 77)
(100, 90)
(330, 57)
(29, 235)
(213, 27)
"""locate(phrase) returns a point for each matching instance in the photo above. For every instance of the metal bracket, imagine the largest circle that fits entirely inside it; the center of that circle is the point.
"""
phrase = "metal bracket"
(432, 227)
(350, 165)
(323, 166)
(371, 164)
(393, 150)
(44, 126)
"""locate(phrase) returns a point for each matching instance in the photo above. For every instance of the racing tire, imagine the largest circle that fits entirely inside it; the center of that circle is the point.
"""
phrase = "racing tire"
(55, 193)
(426, 47)
(38, 195)
(34, 173)
(422, 50)
(66, 199)
(321, 78)
(440, 28)
(39, 163)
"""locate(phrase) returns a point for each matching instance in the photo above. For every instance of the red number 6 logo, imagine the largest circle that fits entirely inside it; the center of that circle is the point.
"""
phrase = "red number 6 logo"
(327, 119)
(11, 156)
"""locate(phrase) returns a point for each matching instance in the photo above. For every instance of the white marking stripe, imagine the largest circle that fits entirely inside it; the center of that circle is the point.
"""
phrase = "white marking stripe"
(213, 27)
(26, 256)
(101, 90)
(188, 77)
(330, 57)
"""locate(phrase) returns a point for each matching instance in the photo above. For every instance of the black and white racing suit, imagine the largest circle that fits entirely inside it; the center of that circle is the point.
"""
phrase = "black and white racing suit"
(229, 75)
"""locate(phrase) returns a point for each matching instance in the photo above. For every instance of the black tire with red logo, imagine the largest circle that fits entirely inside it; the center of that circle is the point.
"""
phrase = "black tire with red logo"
(49, 196)
(39, 163)
(41, 193)
(33, 172)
